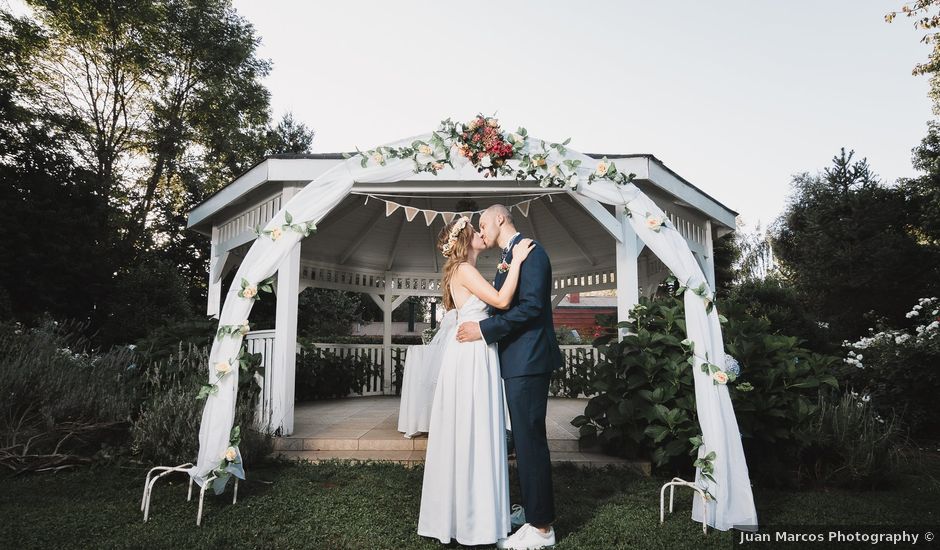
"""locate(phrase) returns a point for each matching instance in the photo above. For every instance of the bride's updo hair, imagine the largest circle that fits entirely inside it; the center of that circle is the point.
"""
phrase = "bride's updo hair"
(454, 243)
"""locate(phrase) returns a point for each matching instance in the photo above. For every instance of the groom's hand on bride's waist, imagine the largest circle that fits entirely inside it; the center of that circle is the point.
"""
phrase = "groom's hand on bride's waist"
(469, 332)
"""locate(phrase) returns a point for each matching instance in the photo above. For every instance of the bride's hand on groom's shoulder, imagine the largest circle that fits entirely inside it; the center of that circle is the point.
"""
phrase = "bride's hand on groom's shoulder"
(521, 249)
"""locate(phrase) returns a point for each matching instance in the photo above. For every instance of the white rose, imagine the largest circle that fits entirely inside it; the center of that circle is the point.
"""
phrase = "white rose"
(244, 328)
(250, 291)
(573, 181)
(720, 377)
(516, 138)
(486, 162)
(601, 169)
(231, 454)
(275, 234)
(492, 122)
(223, 368)
(654, 222)
(378, 158)
(553, 169)
(425, 149)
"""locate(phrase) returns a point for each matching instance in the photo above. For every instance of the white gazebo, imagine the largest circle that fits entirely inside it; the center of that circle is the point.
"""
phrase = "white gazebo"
(380, 240)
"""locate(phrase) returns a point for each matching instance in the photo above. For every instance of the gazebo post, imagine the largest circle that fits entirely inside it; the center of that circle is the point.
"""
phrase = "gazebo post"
(284, 365)
(387, 337)
(628, 252)
(214, 307)
(709, 255)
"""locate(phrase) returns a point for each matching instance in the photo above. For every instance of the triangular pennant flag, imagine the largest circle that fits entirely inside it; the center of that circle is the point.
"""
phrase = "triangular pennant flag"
(390, 207)
(448, 216)
(467, 214)
(411, 212)
(429, 216)
(524, 208)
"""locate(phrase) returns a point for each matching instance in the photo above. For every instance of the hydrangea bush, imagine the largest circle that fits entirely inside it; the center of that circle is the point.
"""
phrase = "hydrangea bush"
(899, 369)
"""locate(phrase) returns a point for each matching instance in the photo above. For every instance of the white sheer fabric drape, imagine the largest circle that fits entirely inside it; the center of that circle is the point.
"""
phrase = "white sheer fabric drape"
(733, 504)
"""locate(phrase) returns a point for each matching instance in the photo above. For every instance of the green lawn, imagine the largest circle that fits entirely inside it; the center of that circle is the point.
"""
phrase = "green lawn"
(339, 505)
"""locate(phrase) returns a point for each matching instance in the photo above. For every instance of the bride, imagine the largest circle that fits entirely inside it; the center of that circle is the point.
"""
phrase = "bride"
(465, 493)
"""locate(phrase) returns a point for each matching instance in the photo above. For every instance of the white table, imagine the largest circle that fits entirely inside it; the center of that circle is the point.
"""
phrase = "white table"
(417, 390)
(422, 366)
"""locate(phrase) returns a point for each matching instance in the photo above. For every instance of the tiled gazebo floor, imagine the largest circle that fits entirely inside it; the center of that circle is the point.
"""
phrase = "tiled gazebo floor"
(366, 428)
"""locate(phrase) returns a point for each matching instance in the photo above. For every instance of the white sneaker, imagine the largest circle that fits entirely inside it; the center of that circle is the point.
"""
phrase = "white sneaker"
(527, 538)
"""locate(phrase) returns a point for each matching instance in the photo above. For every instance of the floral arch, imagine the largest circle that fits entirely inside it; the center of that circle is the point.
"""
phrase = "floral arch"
(721, 469)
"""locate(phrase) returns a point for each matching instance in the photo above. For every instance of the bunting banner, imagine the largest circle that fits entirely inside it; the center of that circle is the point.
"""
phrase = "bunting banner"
(412, 212)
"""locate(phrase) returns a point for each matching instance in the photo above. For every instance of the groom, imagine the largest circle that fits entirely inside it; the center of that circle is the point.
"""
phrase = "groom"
(528, 353)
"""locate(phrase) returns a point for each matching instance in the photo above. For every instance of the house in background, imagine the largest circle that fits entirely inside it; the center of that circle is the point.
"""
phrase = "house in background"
(579, 311)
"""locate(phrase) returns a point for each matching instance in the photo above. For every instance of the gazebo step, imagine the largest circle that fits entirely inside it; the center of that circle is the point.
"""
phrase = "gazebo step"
(390, 442)
(588, 460)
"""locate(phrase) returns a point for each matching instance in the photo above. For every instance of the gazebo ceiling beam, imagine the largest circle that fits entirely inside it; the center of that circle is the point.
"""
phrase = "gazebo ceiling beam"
(599, 213)
(550, 208)
(361, 237)
(530, 221)
(338, 215)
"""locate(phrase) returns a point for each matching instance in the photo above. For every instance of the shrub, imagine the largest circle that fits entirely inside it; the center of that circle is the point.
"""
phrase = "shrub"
(774, 300)
(900, 369)
(645, 399)
(164, 342)
(62, 403)
(323, 374)
(402, 339)
(167, 430)
(645, 404)
(851, 445)
(787, 381)
(145, 297)
(66, 403)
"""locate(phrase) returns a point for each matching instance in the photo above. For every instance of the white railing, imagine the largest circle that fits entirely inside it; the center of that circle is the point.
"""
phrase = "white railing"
(578, 358)
(262, 341)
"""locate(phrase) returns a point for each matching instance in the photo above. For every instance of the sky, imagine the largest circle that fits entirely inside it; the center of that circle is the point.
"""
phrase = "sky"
(735, 96)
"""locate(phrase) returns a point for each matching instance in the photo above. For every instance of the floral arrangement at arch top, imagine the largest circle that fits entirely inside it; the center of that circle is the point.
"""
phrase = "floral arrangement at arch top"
(482, 143)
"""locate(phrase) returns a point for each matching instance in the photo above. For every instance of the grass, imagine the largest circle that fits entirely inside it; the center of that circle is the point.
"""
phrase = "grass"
(375, 505)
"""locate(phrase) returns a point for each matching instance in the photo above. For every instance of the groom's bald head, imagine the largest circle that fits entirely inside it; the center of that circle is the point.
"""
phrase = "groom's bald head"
(496, 226)
(498, 210)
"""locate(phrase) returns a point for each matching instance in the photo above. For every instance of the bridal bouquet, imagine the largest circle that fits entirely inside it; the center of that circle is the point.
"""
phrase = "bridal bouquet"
(482, 142)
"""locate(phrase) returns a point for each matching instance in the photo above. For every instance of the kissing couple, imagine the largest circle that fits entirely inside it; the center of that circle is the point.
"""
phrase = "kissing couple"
(503, 353)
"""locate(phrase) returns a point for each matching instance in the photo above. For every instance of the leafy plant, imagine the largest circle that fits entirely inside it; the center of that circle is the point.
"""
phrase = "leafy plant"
(851, 444)
(645, 402)
(645, 396)
(897, 369)
(323, 374)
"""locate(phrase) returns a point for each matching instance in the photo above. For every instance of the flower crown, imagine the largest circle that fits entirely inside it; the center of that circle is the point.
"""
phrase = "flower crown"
(454, 232)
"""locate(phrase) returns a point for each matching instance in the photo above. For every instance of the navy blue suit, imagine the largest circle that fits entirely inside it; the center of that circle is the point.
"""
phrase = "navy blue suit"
(528, 353)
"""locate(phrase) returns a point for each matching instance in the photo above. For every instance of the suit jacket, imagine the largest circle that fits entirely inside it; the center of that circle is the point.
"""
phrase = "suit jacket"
(525, 331)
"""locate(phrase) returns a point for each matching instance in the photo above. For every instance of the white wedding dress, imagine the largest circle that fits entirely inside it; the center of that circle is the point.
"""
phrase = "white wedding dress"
(465, 494)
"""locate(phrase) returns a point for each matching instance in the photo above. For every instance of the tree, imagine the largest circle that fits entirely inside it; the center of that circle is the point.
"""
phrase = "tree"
(153, 105)
(845, 244)
(925, 19)
(289, 137)
(925, 190)
(55, 252)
